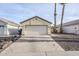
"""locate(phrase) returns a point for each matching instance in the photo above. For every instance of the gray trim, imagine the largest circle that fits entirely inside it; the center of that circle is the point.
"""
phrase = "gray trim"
(35, 17)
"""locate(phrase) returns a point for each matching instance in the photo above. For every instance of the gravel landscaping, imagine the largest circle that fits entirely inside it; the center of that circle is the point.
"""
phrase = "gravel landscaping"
(6, 42)
(68, 44)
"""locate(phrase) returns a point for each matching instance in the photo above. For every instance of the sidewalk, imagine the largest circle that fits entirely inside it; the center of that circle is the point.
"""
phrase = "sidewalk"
(35, 36)
(65, 36)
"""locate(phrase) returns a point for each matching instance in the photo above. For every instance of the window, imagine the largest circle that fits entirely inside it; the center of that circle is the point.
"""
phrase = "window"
(1, 25)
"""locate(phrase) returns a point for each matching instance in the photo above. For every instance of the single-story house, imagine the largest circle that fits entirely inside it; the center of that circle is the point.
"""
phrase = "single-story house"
(8, 27)
(70, 27)
(35, 25)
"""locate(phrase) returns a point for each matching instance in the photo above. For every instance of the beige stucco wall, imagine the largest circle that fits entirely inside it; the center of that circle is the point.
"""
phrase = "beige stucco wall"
(35, 21)
(23, 30)
(49, 30)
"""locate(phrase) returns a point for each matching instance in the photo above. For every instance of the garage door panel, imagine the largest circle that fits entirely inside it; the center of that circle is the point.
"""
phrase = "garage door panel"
(36, 29)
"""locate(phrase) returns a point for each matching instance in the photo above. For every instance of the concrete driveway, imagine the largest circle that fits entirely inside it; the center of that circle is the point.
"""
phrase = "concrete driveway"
(39, 46)
(33, 46)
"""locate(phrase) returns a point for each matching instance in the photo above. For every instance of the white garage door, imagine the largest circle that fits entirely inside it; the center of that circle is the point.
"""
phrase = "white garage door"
(36, 30)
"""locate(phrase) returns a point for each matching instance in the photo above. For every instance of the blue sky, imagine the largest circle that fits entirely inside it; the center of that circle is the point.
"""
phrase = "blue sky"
(18, 12)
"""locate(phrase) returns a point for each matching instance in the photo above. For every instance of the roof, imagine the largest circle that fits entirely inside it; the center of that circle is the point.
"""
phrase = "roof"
(9, 22)
(36, 17)
(74, 22)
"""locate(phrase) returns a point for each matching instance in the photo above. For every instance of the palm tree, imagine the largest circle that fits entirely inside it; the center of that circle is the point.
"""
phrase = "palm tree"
(61, 30)
(55, 18)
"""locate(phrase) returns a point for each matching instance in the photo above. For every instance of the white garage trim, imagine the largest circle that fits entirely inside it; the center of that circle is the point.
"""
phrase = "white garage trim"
(36, 29)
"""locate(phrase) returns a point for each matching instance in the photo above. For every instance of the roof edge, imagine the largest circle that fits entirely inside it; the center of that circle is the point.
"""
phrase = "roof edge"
(37, 17)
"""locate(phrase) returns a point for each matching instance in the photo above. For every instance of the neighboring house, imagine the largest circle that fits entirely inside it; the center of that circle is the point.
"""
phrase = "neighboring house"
(35, 25)
(7, 27)
(70, 27)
